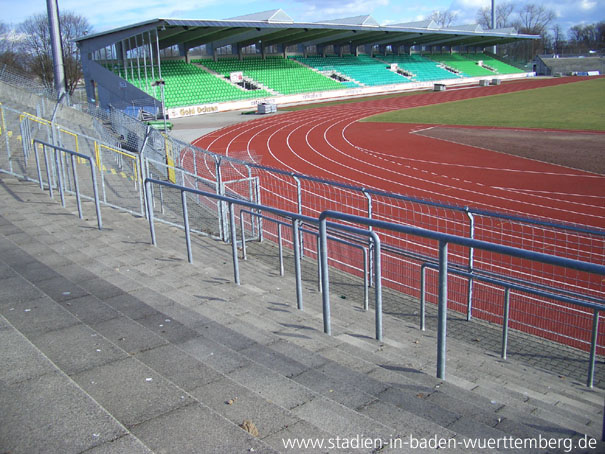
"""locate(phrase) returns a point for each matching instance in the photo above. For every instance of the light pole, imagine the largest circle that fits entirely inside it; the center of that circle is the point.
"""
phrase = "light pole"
(161, 84)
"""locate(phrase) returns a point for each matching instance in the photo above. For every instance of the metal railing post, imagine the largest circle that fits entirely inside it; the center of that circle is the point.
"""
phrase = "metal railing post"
(325, 278)
(59, 177)
(442, 310)
(471, 260)
(38, 169)
(370, 214)
(280, 248)
(241, 227)
(297, 255)
(48, 172)
(234, 243)
(366, 293)
(76, 185)
(299, 211)
(7, 140)
(318, 265)
(150, 211)
(593, 349)
(423, 296)
(505, 322)
(377, 286)
(186, 225)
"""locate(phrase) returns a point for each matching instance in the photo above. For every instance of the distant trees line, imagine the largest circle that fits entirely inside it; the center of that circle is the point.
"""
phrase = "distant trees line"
(25, 48)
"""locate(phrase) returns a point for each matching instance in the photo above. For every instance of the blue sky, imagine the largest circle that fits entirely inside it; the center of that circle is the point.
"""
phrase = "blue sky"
(107, 14)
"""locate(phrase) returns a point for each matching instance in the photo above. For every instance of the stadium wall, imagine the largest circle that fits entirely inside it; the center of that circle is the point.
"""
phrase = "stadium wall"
(201, 109)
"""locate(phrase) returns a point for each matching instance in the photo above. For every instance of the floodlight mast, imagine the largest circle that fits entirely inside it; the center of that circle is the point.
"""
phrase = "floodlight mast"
(57, 49)
(494, 22)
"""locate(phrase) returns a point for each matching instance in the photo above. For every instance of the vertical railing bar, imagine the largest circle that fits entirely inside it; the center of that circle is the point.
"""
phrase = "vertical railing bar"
(442, 310)
(234, 243)
(39, 170)
(505, 322)
(318, 266)
(325, 277)
(241, 227)
(280, 248)
(76, 185)
(423, 296)
(186, 225)
(95, 191)
(148, 195)
(297, 270)
(366, 290)
(593, 349)
(48, 172)
(377, 285)
(471, 260)
(59, 177)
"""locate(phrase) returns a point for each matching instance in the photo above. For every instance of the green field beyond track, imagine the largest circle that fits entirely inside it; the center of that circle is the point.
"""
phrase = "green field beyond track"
(578, 106)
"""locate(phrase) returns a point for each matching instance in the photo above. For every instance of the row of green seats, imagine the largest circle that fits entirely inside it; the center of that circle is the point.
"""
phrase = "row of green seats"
(277, 73)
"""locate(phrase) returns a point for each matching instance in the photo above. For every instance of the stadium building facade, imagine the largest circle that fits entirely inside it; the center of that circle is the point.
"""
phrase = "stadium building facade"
(191, 67)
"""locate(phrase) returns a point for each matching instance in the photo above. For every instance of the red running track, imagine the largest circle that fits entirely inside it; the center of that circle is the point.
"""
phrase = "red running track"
(331, 143)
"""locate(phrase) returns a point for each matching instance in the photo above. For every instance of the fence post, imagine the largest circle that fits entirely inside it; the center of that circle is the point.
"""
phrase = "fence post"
(7, 140)
(593, 349)
(505, 322)
(442, 310)
(423, 296)
(76, 185)
(297, 254)
(299, 211)
(234, 242)
(377, 285)
(325, 279)
(186, 225)
(471, 259)
(219, 191)
(370, 213)
(280, 248)
(150, 211)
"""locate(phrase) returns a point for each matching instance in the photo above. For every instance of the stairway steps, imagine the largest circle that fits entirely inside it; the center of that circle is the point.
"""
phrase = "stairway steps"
(226, 338)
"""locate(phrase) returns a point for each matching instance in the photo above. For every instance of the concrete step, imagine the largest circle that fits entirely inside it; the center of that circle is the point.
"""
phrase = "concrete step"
(321, 384)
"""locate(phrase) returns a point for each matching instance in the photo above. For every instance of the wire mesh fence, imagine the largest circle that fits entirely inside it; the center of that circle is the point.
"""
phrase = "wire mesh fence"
(129, 151)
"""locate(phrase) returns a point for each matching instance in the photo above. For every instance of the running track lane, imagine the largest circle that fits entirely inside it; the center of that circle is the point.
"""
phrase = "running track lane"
(329, 143)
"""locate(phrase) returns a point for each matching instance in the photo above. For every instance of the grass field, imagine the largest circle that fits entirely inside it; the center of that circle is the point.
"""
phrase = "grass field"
(575, 106)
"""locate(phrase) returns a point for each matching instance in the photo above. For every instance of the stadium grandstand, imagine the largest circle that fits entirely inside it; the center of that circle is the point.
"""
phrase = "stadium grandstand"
(189, 67)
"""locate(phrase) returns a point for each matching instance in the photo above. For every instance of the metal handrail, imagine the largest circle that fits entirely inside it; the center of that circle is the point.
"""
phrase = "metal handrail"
(507, 288)
(60, 182)
(297, 219)
(444, 239)
(364, 250)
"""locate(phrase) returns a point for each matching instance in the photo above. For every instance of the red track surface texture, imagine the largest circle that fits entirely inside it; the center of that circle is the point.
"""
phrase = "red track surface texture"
(330, 143)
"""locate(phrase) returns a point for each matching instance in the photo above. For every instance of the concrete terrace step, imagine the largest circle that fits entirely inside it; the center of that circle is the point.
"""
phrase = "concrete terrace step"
(247, 342)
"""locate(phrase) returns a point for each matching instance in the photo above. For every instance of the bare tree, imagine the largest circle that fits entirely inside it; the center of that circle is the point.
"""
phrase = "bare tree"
(504, 12)
(558, 39)
(37, 44)
(443, 18)
(535, 19)
(10, 48)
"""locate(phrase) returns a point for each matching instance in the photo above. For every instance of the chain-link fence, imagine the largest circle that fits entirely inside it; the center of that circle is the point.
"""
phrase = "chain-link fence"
(127, 151)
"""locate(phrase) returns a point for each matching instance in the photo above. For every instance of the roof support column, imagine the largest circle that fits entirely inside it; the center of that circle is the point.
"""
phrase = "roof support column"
(183, 52)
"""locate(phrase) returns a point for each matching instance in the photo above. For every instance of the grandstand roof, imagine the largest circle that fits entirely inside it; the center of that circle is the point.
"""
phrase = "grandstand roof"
(277, 27)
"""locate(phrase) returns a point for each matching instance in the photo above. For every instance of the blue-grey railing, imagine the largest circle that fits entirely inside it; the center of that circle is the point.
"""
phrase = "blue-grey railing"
(59, 175)
(443, 267)
(296, 222)
(279, 224)
(444, 240)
